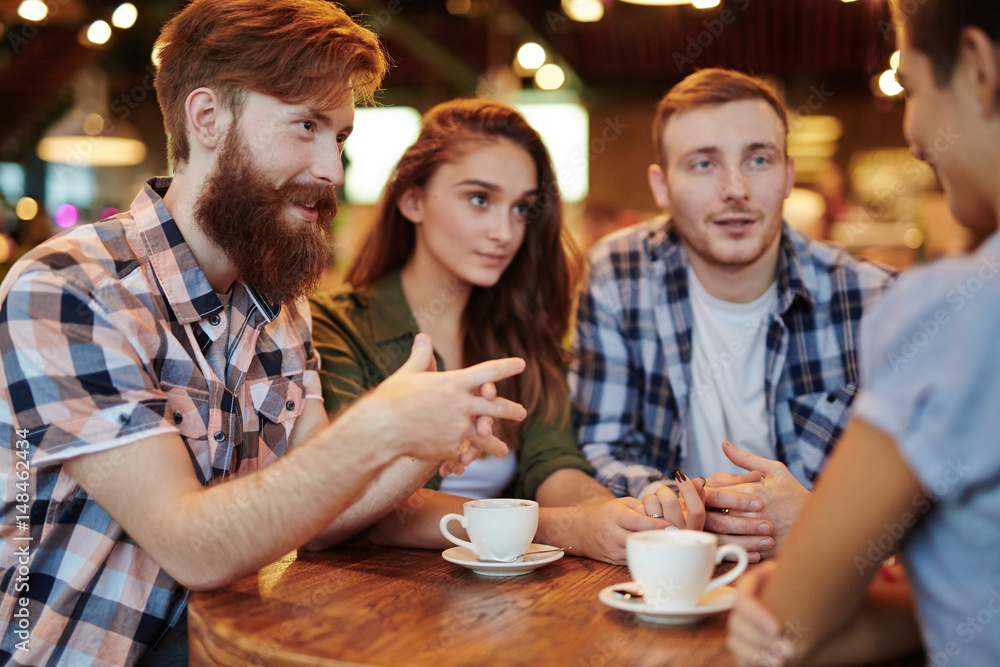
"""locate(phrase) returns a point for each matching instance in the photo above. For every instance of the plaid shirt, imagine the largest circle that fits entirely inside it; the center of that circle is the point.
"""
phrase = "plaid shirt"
(632, 374)
(111, 334)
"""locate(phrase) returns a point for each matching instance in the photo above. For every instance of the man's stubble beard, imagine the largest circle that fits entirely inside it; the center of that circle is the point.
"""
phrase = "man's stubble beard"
(246, 216)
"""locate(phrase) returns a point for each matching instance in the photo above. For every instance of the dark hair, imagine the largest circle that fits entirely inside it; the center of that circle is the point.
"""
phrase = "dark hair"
(527, 312)
(296, 50)
(934, 27)
(711, 87)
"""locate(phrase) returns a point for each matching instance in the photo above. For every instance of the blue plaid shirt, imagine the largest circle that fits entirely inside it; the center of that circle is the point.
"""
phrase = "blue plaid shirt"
(632, 371)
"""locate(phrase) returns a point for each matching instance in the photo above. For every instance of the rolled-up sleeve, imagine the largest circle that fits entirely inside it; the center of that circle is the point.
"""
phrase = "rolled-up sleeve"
(77, 383)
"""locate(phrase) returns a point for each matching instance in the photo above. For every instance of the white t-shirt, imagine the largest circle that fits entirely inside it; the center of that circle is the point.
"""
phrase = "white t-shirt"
(486, 477)
(727, 400)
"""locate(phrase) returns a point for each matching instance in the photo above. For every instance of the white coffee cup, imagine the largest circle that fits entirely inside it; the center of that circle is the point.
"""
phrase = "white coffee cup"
(499, 528)
(674, 567)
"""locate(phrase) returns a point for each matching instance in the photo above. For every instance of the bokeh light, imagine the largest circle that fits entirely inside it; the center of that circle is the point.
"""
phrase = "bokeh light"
(99, 32)
(584, 11)
(887, 83)
(124, 16)
(66, 215)
(27, 208)
(531, 56)
(108, 212)
(8, 248)
(550, 77)
(32, 10)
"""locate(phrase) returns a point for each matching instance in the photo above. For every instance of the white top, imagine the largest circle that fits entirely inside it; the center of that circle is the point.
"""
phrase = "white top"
(727, 400)
(929, 358)
(486, 477)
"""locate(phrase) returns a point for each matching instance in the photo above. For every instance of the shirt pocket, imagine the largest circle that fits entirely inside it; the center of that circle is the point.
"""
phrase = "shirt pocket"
(818, 420)
(188, 410)
(278, 402)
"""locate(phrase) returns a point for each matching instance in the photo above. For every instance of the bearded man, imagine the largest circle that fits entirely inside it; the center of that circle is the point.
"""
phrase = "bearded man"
(150, 356)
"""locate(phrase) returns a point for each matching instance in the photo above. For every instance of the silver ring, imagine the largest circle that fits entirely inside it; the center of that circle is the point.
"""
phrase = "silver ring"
(655, 516)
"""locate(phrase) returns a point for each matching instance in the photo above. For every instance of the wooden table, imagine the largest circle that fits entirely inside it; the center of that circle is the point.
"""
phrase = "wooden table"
(367, 605)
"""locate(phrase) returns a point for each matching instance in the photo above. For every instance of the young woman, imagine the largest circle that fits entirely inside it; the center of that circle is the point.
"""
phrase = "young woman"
(919, 467)
(469, 247)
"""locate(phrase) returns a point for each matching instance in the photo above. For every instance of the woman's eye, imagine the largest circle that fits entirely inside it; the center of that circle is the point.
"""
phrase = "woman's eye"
(521, 211)
(479, 200)
(307, 125)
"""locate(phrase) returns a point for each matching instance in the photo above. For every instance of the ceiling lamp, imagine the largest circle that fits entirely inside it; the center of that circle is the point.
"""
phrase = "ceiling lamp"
(124, 16)
(531, 56)
(32, 10)
(659, 2)
(550, 77)
(87, 135)
(888, 84)
(99, 32)
(584, 11)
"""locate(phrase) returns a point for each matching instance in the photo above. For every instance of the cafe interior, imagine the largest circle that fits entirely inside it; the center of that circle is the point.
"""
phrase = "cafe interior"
(80, 131)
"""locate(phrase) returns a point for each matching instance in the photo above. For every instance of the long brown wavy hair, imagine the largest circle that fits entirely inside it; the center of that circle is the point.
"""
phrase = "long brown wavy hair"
(527, 312)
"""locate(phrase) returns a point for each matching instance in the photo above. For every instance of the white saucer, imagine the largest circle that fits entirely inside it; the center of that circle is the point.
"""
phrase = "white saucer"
(720, 599)
(468, 558)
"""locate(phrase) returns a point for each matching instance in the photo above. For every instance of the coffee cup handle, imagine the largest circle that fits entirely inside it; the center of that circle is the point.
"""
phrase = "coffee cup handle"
(741, 565)
(443, 525)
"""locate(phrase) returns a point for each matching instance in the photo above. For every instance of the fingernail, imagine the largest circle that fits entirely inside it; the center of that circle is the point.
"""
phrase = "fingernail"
(671, 528)
(766, 544)
(421, 339)
(764, 529)
(680, 477)
(756, 505)
(702, 479)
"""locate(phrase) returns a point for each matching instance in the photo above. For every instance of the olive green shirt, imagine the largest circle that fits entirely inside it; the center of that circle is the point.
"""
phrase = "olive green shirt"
(364, 336)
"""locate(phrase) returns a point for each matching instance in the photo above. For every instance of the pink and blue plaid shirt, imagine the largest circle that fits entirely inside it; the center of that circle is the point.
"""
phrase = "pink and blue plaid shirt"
(111, 334)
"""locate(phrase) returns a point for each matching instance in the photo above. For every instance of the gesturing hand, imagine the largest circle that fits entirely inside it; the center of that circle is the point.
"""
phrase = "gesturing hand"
(433, 415)
(761, 506)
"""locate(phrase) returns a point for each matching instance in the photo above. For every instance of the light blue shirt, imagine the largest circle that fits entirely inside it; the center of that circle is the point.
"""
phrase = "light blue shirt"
(930, 368)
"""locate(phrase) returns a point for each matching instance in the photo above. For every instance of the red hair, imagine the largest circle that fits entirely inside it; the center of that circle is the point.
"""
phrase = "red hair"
(296, 50)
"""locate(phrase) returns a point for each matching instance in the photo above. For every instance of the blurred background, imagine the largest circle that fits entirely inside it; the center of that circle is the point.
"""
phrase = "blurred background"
(80, 130)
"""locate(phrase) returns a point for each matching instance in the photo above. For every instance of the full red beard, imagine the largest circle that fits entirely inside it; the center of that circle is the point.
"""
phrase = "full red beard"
(246, 216)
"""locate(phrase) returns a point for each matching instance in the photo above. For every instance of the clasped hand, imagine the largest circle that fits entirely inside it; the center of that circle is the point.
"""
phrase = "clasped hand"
(757, 509)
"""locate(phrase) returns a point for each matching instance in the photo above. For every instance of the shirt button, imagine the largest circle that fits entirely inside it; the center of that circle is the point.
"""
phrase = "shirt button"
(830, 398)
(219, 436)
(178, 418)
(124, 419)
(290, 405)
(214, 320)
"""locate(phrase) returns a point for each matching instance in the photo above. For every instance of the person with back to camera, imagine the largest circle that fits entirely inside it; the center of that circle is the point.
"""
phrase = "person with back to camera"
(918, 468)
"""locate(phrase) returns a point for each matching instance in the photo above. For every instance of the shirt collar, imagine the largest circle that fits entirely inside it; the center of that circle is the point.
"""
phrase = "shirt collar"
(182, 280)
(664, 244)
(390, 314)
